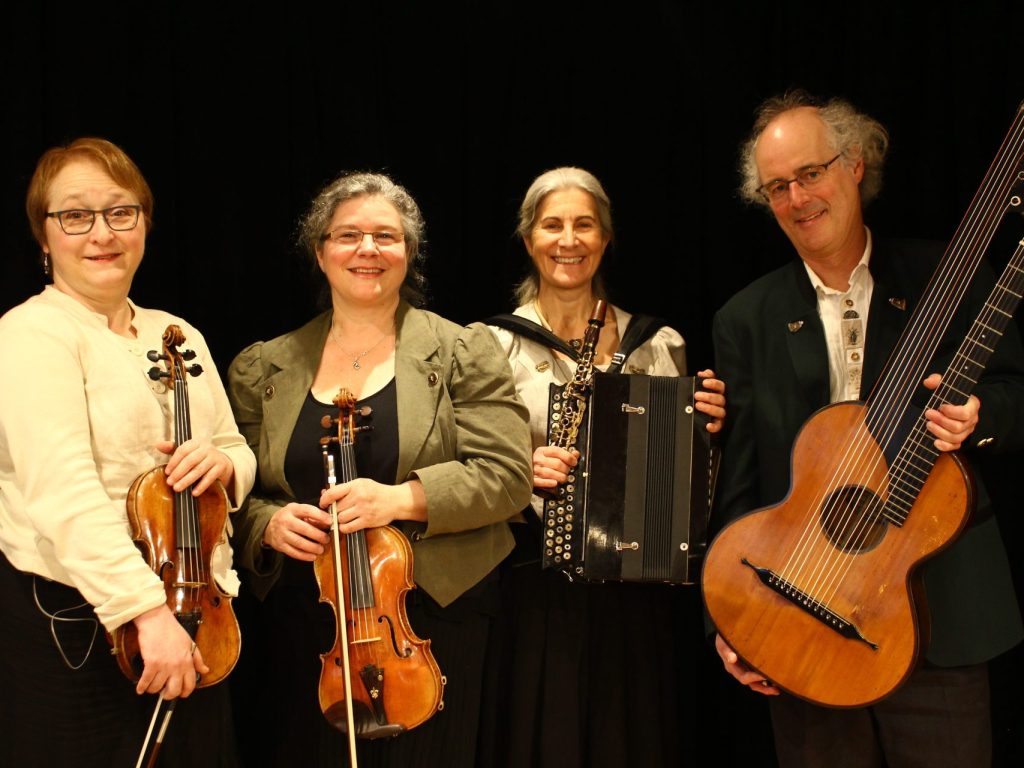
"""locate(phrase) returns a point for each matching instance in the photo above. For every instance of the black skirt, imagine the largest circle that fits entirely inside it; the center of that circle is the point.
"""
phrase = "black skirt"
(276, 686)
(590, 675)
(64, 701)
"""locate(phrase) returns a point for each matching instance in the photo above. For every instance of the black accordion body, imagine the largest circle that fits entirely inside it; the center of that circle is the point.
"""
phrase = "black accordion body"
(636, 506)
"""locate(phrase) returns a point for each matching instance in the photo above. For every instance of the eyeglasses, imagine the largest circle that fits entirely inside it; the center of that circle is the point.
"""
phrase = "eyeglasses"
(353, 237)
(777, 189)
(79, 221)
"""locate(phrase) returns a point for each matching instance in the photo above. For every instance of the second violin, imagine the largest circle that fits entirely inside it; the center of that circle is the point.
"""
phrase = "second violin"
(378, 679)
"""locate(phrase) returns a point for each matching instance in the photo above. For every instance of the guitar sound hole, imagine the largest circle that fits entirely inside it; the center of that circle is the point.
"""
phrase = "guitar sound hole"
(852, 519)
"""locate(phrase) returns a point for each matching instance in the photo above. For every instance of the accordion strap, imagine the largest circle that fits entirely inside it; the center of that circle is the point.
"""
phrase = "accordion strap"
(534, 332)
(639, 330)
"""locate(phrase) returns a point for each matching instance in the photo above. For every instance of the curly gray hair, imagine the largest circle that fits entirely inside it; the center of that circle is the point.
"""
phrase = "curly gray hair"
(852, 134)
(566, 177)
(313, 226)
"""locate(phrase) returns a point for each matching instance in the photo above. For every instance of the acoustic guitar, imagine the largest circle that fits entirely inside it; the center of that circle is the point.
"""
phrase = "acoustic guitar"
(821, 592)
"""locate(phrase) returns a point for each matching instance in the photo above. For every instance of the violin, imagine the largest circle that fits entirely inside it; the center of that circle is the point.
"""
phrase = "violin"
(379, 679)
(176, 533)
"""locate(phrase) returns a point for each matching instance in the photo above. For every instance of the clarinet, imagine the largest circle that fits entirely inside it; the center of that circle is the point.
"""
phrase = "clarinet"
(566, 416)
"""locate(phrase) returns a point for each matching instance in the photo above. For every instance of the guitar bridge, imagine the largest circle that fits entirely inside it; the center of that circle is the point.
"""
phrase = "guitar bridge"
(808, 604)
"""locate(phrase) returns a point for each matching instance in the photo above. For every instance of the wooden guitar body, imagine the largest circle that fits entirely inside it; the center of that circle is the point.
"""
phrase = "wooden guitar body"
(834, 615)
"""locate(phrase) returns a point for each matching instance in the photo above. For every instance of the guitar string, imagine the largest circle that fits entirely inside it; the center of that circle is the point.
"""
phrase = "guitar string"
(933, 327)
(928, 327)
(862, 524)
(992, 318)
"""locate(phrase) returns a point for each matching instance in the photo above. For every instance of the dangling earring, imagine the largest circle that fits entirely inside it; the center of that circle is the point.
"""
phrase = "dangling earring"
(46, 264)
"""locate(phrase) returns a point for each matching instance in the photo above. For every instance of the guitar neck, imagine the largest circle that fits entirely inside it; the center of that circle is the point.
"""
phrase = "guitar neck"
(917, 455)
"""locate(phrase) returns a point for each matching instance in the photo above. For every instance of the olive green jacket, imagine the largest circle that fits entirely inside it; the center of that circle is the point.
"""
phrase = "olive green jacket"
(461, 431)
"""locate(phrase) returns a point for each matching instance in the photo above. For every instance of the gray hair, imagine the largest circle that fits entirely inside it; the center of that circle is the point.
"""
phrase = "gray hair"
(566, 177)
(349, 186)
(853, 134)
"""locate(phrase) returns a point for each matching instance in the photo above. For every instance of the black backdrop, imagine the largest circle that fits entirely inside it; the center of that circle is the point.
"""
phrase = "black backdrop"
(238, 115)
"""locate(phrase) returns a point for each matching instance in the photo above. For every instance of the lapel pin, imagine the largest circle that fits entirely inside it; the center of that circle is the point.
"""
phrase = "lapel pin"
(795, 326)
(898, 303)
(542, 366)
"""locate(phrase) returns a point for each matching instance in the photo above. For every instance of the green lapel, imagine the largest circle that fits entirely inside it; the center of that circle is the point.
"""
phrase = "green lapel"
(419, 381)
(291, 366)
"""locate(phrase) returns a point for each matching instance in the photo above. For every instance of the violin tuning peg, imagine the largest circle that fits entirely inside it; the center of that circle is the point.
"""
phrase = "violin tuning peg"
(154, 356)
(156, 373)
(188, 354)
(365, 410)
(196, 369)
(326, 422)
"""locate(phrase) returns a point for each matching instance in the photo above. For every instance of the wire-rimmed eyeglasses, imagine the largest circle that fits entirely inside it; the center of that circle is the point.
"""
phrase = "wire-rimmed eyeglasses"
(777, 189)
(352, 237)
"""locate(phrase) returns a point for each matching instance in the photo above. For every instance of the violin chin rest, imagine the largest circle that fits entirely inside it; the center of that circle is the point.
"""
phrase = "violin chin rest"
(366, 726)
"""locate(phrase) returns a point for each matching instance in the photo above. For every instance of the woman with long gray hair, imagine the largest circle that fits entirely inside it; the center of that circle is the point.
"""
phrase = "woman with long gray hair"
(583, 672)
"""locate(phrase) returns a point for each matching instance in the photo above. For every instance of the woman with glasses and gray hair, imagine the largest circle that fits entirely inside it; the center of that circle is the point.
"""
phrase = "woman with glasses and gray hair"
(80, 419)
(584, 671)
(446, 462)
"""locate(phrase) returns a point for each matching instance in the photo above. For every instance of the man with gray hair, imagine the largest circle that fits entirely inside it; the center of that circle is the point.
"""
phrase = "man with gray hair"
(818, 331)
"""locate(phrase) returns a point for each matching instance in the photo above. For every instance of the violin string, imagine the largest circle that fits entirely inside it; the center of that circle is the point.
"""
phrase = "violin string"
(930, 327)
(190, 527)
(356, 549)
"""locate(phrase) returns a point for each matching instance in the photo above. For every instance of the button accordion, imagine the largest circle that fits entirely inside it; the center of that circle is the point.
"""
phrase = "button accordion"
(636, 505)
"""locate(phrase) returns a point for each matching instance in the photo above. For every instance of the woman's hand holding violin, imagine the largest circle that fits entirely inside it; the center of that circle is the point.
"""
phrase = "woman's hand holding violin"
(364, 503)
(171, 660)
(196, 462)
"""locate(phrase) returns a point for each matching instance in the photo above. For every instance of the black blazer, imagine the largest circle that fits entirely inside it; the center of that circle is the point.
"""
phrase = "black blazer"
(770, 350)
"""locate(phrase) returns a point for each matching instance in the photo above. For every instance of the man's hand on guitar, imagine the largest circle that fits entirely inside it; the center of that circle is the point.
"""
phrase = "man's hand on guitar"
(743, 673)
(951, 424)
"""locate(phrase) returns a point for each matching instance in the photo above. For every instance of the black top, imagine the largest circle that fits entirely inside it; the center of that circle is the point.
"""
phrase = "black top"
(376, 448)
(376, 451)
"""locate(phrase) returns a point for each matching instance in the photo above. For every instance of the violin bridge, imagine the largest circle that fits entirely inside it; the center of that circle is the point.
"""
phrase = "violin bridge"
(364, 640)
